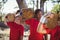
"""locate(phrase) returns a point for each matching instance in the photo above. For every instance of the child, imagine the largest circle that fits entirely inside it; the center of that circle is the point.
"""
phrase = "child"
(33, 23)
(55, 33)
(48, 25)
(16, 29)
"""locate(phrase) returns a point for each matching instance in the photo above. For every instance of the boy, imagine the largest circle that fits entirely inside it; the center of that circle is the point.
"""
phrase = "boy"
(16, 29)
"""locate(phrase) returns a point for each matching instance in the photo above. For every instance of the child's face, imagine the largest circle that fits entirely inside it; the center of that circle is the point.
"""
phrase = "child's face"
(51, 15)
(39, 14)
(19, 18)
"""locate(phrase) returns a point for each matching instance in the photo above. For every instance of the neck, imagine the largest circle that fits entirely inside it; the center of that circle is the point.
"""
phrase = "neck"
(17, 22)
(37, 19)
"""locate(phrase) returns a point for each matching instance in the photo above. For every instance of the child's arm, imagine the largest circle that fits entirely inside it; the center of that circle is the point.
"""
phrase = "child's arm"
(9, 19)
(41, 29)
(41, 25)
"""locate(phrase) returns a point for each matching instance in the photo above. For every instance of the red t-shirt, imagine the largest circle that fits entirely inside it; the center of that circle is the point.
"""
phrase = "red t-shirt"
(58, 31)
(34, 35)
(47, 29)
(55, 33)
(16, 30)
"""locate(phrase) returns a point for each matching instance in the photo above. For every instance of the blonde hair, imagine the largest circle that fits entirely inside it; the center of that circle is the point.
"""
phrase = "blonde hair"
(10, 16)
(27, 13)
(52, 22)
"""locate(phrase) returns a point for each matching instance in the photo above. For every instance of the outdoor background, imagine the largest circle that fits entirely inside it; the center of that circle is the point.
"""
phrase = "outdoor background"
(11, 6)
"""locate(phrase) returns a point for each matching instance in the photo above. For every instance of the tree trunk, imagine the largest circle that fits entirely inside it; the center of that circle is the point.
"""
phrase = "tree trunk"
(21, 4)
(42, 5)
(37, 4)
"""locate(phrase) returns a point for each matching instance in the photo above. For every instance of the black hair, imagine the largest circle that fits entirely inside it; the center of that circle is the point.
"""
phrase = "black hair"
(36, 12)
(17, 11)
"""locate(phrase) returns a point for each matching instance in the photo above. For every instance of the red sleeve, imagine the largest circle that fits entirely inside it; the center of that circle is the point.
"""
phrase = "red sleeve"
(28, 21)
(47, 30)
(10, 24)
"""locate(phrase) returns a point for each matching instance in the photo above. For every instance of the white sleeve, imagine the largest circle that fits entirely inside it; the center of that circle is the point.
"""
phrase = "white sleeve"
(43, 19)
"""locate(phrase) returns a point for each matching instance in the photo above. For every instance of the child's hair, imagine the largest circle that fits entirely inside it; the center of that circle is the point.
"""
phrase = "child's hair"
(27, 13)
(10, 17)
(58, 12)
(36, 12)
(9, 14)
(17, 11)
(52, 22)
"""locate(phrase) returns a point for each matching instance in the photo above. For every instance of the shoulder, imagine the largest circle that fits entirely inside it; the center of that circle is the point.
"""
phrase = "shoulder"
(31, 19)
(21, 27)
(10, 23)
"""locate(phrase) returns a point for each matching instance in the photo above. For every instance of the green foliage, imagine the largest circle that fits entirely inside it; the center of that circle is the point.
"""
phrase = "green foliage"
(43, 1)
(56, 8)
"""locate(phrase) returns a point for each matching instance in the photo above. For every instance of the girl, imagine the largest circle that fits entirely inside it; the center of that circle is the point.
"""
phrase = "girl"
(33, 23)
(47, 25)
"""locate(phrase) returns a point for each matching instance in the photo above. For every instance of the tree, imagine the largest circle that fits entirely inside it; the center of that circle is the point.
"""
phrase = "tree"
(42, 5)
(56, 8)
(21, 4)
